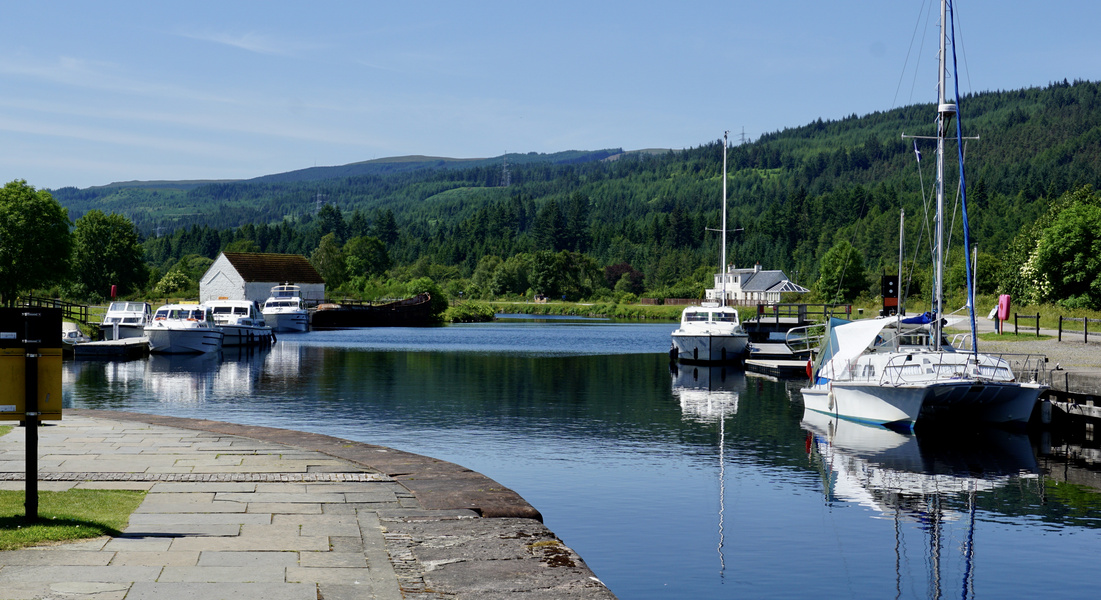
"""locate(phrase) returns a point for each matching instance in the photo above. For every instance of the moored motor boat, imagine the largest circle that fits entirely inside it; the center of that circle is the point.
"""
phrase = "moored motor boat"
(182, 329)
(125, 320)
(284, 311)
(241, 322)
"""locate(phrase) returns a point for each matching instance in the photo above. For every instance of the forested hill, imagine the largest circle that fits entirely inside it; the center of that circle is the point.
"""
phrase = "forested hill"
(795, 193)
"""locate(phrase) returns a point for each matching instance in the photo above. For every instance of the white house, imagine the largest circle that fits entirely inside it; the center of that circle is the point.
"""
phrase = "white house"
(752, 286)
(250, 276)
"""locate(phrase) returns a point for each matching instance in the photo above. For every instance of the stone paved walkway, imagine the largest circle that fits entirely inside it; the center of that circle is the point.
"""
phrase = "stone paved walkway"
(234, 517)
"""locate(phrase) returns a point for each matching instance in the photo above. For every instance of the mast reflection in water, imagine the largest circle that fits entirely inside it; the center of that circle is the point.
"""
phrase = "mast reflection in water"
(647, 474)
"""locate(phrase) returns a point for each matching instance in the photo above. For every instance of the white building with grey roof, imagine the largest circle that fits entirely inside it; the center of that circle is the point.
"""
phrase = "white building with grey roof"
(752, 286)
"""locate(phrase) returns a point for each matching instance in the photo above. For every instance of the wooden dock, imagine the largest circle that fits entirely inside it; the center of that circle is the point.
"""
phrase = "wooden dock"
(780, 369)
(126, 348)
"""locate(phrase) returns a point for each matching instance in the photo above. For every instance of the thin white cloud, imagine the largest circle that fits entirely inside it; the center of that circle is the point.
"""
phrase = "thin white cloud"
(252, 42)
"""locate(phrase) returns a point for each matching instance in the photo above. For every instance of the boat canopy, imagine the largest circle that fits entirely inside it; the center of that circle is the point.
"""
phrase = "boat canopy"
(855, 337)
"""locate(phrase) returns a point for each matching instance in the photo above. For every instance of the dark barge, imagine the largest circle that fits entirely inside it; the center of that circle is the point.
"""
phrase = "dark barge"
(410, 312)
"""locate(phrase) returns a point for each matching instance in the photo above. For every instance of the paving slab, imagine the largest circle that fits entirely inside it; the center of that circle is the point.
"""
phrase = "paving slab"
(243, 512)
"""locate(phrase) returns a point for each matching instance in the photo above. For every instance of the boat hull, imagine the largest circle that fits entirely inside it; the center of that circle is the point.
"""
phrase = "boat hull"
(897, 406)
(703, 348)
(287, 322)
(242, 335)
(124, 331)
(164, 340)
(904, 405)
(411, 312)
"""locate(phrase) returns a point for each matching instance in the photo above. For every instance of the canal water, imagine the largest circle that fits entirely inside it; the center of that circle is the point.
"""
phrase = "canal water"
(670, 483)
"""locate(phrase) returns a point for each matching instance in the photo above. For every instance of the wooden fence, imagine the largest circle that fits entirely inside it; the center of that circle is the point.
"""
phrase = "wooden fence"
(1017, 317)
(1085, 321)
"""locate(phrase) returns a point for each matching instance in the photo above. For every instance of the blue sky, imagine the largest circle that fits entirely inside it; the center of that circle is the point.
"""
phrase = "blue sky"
(94, 93)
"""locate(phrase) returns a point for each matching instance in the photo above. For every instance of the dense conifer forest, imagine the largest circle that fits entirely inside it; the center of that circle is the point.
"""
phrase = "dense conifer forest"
(582, 224)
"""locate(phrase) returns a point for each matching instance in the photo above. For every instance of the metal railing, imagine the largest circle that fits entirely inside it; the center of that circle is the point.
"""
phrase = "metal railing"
(901, 370)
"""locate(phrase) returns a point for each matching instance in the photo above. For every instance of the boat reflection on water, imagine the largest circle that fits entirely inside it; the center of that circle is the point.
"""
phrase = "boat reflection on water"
(928, 480)
(707, 393)
(182, 378)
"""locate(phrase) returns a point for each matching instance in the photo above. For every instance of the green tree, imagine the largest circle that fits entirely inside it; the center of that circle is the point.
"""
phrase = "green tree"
(243, 245)
(841, 274)
(439, 298)
(1069, 252)
(366, 255)
(173, 282)
(328, 259)
(482, 279)
(35, 243)
(107, 250)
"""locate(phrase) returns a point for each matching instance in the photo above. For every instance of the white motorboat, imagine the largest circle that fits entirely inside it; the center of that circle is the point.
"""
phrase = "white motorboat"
(125, 320)
(867, 372)
(183, 329)
(71, 335)
(241, 322)
(712, 332)
(284, 310)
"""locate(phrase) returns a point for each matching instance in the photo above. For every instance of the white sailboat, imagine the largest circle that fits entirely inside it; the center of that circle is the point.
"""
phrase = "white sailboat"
(893, 371)
(712, 332)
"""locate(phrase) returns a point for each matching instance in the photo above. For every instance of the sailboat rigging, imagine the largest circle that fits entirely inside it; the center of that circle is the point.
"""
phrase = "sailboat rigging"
(894, 371)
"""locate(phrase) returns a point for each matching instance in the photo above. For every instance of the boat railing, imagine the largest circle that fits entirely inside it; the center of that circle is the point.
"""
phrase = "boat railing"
(806, 339)
(902, 370)
(963, 341)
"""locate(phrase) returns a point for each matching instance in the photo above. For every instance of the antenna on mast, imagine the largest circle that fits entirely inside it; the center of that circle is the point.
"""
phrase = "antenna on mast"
(506, 177)
(319, 202)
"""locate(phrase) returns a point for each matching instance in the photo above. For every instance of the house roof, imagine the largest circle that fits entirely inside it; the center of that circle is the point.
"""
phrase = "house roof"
(273, 268)
(761, 281)
(753, 280)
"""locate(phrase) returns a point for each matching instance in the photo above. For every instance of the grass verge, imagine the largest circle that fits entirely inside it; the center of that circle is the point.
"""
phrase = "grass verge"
(991, 336)
(65, 516)
(4, 429)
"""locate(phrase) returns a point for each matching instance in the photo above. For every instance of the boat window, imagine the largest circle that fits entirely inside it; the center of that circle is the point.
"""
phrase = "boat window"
(725, 317)
(695, 316)
(223, 310)
(112, 320)
(240, 310)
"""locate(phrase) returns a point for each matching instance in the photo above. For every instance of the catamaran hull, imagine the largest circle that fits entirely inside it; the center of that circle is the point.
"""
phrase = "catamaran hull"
(710, 348)
(947, 402)
(874, 404)
(183, 341)
(996, 402)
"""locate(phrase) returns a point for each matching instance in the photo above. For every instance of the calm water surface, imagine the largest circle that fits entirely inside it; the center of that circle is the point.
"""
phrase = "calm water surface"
(699, 483)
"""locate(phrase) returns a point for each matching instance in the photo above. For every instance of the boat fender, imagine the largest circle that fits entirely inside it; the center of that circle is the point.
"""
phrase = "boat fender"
(829, 397)
(810, 370)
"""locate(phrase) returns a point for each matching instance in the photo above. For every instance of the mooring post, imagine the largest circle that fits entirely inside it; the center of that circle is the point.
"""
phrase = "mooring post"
(30, 375)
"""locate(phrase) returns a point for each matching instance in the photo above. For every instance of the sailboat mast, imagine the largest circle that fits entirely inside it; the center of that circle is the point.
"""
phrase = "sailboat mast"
(945, 111)
(722, 254)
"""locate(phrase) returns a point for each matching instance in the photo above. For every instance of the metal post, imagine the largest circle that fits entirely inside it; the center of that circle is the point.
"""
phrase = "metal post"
(1015, 332)
(30, 374)
(1060, 328)
(1086, 331)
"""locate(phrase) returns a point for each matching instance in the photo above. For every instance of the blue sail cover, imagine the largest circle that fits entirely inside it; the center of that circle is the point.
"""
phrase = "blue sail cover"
(923, 319)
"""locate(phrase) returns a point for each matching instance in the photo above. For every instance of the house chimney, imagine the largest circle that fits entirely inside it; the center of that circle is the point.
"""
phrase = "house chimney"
(757, 268)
